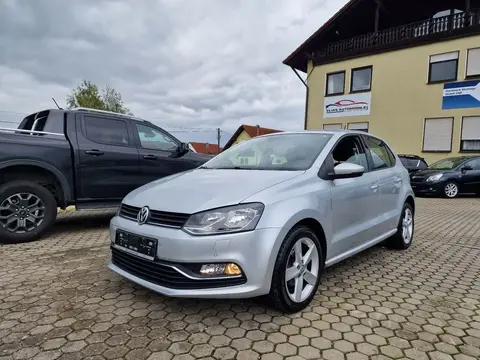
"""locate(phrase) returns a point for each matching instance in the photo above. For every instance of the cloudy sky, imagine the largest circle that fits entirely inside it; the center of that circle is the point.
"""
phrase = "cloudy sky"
(180, 63)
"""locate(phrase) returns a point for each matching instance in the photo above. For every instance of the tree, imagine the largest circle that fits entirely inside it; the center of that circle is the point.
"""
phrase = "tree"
(88, 94)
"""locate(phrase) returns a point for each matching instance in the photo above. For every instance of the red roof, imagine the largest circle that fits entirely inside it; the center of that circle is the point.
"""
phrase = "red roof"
(252, 131)
(205, 148)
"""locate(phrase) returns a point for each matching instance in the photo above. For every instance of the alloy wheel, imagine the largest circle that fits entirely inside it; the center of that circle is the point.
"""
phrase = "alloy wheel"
(21, 213)
(407, 226)
(302, 269)
(451, 190)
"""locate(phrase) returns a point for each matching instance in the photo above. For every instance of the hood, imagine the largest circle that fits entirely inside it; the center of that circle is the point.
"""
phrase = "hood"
(203, 158)
(428, 172)
(202, 189)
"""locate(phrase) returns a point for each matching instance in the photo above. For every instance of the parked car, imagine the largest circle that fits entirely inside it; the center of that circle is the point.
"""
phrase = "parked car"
(449, 177)
(265, 228)
(81, 157)
(413, 163)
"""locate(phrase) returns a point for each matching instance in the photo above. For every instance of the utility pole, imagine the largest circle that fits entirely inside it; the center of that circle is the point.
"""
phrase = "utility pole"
(218, 139)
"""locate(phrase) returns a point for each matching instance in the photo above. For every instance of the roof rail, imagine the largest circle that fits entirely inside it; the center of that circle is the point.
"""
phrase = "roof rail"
(105, 112)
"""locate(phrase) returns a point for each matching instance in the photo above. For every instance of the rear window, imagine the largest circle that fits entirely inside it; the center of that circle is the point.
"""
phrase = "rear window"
(413, 163)
(46, 121)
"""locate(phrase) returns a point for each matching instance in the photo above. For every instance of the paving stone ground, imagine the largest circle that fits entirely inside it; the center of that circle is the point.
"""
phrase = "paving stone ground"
(59, 301)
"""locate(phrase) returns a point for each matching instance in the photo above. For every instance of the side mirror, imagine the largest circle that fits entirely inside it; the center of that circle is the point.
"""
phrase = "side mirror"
(466, 168)
(183, 148)
(347, 171)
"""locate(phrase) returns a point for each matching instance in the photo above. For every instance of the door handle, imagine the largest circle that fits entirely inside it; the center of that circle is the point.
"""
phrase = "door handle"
(374, 187)
(149, 157)
(94, 152)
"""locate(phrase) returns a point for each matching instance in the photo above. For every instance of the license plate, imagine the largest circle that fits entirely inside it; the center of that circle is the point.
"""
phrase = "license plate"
(135, 244)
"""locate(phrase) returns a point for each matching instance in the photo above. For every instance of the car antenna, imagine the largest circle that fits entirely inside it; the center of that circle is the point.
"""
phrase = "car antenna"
(56, 104)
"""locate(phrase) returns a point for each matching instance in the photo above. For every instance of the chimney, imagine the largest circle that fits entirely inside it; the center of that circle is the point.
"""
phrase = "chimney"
(258, 130)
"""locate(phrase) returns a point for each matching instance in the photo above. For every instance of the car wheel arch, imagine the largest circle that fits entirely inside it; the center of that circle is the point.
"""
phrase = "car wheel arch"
(411, 201)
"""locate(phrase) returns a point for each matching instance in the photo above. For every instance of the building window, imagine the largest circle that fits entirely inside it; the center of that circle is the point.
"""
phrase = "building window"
(361, 79)
(360, 126)
(470, 140)
(443, 67)
(330, 127)
(336, 83)
(473, 62)
(437, 135)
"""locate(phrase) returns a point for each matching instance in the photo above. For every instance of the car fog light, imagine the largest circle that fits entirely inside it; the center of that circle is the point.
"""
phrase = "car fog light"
(220, 269)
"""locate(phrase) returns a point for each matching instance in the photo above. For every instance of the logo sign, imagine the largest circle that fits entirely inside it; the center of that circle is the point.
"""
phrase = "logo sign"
(461, 95)
(351, 105)
(143, 215)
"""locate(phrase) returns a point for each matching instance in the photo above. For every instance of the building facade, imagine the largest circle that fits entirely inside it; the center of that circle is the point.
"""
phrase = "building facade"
(414, 80)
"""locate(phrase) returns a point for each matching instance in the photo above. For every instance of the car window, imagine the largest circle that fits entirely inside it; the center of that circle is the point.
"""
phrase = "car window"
(151, 138)
(106, 131)
(382, 156)
(350, 150)
(475, 164)
(281, 152)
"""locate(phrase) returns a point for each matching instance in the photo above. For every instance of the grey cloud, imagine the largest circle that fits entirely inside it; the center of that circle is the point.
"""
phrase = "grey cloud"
(180, 63)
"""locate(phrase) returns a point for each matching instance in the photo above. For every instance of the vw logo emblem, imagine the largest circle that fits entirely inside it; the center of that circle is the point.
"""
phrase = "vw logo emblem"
(143, 215)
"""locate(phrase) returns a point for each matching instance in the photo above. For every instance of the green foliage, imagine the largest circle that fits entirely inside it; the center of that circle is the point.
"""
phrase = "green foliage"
(88, 94)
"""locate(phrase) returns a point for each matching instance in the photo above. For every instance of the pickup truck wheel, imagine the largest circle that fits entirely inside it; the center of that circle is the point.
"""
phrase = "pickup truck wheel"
(27, 211)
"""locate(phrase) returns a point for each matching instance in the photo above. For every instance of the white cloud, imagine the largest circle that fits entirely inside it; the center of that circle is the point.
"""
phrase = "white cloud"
(180, 63)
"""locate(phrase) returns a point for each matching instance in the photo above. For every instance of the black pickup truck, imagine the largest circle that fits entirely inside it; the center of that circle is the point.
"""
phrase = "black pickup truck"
(83, 157)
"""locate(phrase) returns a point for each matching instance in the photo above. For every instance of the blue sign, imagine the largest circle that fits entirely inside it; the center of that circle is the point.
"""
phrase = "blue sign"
(461, 95)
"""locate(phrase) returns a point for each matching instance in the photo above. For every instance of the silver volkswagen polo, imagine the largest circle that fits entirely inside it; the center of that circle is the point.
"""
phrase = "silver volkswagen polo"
(264, 217)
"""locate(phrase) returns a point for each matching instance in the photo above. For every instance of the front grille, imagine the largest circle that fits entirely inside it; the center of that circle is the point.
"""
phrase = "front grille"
(158, 218)
(161, 274)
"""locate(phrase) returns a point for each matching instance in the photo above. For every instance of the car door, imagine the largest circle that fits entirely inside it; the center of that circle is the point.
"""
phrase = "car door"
(470, 178)
(389, 181)
(353, 200)
(158, 153)
(107, 159)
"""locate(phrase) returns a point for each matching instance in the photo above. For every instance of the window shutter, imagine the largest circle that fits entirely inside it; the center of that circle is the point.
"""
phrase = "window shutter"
(358, 126)
(444, 57)
(473, 62)
(437, 134)
(471, 128)
(330, 127)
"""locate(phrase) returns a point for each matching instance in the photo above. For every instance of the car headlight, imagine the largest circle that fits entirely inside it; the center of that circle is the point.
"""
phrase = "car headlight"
(225, 220)
(434, 177)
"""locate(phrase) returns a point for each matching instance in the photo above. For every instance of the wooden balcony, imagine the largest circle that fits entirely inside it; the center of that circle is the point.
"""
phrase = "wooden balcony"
(413, 34)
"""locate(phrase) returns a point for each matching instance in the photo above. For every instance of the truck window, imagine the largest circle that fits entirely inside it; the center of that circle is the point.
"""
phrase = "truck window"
(106, 131)
(153, 139)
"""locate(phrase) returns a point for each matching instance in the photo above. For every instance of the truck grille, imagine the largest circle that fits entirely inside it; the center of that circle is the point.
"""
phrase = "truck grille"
(157, 218)
(164, 275)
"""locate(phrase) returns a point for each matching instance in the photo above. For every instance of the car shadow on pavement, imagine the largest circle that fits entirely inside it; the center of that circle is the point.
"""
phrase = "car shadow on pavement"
(81, 221)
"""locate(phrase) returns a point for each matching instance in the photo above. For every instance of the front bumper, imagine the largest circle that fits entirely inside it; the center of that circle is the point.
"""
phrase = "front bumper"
(427, 188)
(253, 251)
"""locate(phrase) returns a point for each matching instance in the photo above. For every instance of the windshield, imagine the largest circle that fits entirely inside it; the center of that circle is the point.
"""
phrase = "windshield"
(275, 152)
(446, 164)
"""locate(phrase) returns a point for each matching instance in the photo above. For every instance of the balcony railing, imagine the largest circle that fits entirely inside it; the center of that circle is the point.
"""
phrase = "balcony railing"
(410, 34)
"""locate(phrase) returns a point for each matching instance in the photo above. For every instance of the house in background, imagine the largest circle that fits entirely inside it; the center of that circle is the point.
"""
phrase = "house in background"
(405, 70)
(246, 132)
(205, 148)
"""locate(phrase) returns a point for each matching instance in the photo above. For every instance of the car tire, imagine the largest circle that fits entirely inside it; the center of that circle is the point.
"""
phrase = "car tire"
(40, 211)
(451, 190)
(400, 241)
(282, 293)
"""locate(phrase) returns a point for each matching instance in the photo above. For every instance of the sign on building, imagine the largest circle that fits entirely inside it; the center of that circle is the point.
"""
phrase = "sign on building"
(347, 105)
(461, 95)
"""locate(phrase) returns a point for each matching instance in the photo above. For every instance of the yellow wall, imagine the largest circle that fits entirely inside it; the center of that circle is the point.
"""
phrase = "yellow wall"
(242, 137)
(401, 98)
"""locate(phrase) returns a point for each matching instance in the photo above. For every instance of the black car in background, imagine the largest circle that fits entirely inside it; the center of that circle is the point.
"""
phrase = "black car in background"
(449, 177)
(413, 163)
